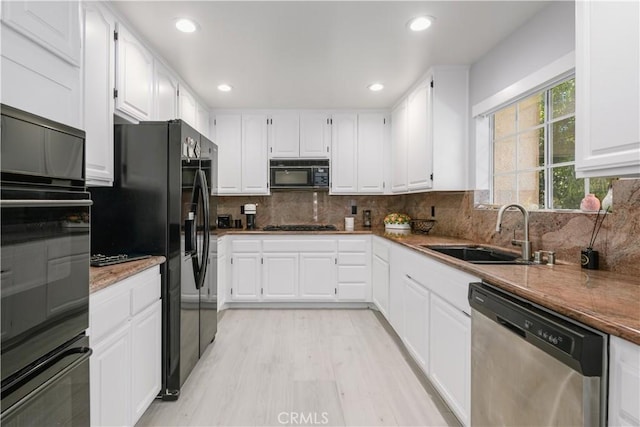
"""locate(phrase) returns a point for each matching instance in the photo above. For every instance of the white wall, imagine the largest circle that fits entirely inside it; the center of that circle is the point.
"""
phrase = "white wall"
(546, 37)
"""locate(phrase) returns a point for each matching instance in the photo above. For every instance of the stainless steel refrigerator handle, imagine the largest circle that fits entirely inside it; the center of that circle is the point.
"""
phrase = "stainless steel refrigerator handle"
(43, 203)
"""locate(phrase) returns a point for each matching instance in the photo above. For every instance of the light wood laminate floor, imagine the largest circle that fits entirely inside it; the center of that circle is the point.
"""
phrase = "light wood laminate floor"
(272, 367)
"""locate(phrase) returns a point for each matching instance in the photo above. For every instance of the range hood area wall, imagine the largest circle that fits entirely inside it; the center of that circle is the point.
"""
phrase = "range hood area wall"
(563, 232)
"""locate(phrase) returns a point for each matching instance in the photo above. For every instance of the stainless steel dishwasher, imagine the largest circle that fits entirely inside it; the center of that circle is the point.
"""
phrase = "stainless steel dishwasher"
(531, 366)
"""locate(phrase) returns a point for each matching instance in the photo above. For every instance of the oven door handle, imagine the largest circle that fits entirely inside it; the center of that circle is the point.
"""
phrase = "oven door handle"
(84, 352)
(43, 203)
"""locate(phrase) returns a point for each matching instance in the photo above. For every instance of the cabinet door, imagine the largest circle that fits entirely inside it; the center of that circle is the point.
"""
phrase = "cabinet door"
(98, 71)
(245, 276)
(419, 138)
(315, 135)
(284, 136)
(624, 383)
(134, 77)
(399, 148)
(416, 321)
(318, 276)
(607, 88)
(344, 153)
(202, 120)
(146, 333)
(450, 355)
(380, 278)
(166, 93)
(53, 25)
(371, 129)
(228, 138)
(188, 107)
(254, 154)
(110, 379)
(280, 276)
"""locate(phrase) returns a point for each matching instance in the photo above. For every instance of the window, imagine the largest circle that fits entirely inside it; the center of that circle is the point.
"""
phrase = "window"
(533, 144)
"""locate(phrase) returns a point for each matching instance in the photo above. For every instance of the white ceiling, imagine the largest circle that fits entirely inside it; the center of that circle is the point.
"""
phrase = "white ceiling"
(318, 54)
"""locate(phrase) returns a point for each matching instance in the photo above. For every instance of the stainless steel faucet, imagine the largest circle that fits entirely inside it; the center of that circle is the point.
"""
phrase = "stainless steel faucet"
(525, 244)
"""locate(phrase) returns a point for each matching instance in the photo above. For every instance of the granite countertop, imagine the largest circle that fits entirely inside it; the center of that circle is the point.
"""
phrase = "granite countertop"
(102, 277)
(237, 231)
(603, 300)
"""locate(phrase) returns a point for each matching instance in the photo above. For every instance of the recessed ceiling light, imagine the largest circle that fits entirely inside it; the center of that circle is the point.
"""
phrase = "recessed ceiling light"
(224, 87)
(420, 23)
(186, 25)
(375, 87)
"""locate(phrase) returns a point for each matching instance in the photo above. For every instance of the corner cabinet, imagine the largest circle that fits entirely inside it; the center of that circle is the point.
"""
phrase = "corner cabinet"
(125, 333)
(344, 154)
(98, 70)
(607, 88)
(134, 77)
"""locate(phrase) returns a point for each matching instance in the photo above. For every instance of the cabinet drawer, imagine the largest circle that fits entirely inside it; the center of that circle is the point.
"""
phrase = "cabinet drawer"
(352, 245)
(245, 246)
(352, 258)
(353, 273)
(353, 292)
(381, 250)
(109, 310)
(146, 291)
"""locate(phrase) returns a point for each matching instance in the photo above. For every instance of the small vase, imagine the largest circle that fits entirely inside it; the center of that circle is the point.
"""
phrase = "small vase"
(590, 203)
(607, 202)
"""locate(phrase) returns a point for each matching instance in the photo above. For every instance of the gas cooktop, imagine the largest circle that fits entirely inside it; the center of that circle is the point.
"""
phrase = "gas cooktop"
(100, 260)
(300, 227)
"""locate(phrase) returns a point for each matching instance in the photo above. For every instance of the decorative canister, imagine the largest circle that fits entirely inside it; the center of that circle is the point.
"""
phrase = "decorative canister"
(590, 203)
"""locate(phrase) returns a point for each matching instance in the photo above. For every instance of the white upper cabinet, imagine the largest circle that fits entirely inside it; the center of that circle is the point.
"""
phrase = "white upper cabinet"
(399, 148)
(166, 93)
(370, 152)
(188, 106)
(419, 139)
(54, 25)
(450, 127)
(228, 138)
(344, 153)
(134, 77)
(255, 167)
(315, 135)
(41, 59)
(284, 136)
(98, 70)
(202, 120)
(607, 88)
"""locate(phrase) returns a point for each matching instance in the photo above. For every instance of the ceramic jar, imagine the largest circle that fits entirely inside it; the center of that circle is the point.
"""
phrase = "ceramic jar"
(590, 203)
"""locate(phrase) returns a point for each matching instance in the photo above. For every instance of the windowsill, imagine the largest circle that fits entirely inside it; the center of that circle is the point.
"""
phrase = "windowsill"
(489, 207)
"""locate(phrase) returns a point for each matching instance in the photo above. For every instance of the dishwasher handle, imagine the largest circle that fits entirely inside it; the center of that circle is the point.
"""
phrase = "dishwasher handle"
(511, 327)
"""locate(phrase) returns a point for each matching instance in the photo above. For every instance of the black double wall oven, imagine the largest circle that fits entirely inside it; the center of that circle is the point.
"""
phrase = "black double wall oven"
(44, 272)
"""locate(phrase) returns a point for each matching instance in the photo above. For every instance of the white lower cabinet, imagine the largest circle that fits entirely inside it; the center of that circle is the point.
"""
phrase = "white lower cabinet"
(125, 333)
(317, 276)
(624, 383)
(380, 275)
(449, 355)
(245, 276)
(416, 321)
(300, 268)
(280, 276)
(428, 309)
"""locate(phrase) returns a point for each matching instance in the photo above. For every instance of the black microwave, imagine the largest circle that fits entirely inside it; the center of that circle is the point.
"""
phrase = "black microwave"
(299, 174)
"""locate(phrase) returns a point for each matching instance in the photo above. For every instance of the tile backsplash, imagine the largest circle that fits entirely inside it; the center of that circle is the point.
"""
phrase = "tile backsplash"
(563, 232)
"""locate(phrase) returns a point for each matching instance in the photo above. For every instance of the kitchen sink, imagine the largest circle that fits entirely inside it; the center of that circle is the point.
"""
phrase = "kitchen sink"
(478, 254)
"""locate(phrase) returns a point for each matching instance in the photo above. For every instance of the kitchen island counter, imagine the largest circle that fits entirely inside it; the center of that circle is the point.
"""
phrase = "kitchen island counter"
(102, 277)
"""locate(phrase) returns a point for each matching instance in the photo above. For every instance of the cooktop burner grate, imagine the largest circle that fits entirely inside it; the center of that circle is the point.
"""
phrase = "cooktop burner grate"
(300, 227)
(100, 260)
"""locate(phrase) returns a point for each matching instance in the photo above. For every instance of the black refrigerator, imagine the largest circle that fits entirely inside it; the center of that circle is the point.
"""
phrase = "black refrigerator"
(160, 204)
